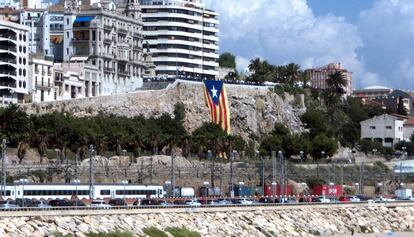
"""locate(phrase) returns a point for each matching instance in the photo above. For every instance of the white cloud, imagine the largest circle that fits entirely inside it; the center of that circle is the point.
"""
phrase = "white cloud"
(388, 30)
(288, 31)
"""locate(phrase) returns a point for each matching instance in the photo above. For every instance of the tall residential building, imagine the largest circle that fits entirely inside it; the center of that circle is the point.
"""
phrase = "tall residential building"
(319, 76)
(14, 61)
(182, 36)
(42, 80)
(110, 39)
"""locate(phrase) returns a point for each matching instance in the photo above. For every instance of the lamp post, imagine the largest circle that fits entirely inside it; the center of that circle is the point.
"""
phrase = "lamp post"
(380, 185)
(374, 151)
(206, 184)
(241, 184)
(124, 182)
(323, 154)
(91, 152)
(23, 182)
(301, 156)
(76, 182)
(404, 148)
(168, 186)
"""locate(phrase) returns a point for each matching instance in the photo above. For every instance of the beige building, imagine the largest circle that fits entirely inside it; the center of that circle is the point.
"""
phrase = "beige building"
(319, 76)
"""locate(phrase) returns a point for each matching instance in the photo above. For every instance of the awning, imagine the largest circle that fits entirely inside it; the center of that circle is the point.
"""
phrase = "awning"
(83, 19)
(78, 58)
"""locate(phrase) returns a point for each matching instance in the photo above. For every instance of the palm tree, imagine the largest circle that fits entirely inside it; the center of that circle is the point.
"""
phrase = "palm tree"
(336, 82)
(22, 149)
(293, 73)
(42, 147)
(255, 65)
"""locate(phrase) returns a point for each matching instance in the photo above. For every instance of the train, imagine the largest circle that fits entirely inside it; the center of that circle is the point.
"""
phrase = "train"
(67, 191)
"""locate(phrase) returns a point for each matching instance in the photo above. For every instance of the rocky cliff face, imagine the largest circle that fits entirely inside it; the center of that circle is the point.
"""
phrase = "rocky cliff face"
(254, 110)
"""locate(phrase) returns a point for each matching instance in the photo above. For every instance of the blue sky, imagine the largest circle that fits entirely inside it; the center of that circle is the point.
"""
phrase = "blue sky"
(372, 38)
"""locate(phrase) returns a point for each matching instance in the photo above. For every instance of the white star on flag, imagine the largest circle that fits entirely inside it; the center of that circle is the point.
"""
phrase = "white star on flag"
(214, 91)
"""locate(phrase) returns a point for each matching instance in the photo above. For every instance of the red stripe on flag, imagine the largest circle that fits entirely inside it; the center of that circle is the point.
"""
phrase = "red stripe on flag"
(224, 105)
(212, 107)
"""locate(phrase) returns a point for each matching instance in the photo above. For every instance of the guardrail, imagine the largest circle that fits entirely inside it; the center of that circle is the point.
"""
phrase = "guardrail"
(74, 211)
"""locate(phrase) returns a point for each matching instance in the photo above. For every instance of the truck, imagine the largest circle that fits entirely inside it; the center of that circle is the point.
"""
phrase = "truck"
(404, 194)
(184, 192)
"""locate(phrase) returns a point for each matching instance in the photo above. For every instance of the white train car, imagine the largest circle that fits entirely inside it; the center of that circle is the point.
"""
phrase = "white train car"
(99, 191)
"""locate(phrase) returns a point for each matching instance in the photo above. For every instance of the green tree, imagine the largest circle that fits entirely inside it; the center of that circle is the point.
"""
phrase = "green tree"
(210, 136)
(280, 130)
(15, 125)
(227, 60)
(270, 143)
(336, 82)
(323, 143)
(401, 109)
(179, 112)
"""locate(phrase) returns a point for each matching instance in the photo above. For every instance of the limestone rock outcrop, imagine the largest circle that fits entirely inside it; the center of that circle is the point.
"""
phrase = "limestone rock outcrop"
(254, 109)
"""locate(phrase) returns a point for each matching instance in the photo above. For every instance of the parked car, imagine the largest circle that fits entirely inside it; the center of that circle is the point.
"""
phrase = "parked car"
(344, 199)
(148, 202)
(179, 202)
(209, 202)
(243, 201)
(223, 201)
(268, 200)
(164, 203)
(40, 204)
(100, 204)
(383, 199)
(117, 202)
(288, 200)
(8, 205)
(23, 202)
(192, 202)
(59, 203)
(77, 203)
(322, 199)
(354, 199)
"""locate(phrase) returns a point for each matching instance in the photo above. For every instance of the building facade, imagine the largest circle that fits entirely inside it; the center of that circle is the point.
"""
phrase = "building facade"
(109, 39)
(319, 76)
(386, 129)
(182, 36)
(42, 80)
(14, 62)
(372, 92)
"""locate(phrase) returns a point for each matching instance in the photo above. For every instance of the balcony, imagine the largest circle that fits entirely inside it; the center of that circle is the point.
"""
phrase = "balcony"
(137, 48)
(7, 72)
(8, 60)
(8, 36)
(8, 48)
(109, 69)
(43, 85)
(56, 29)
(75, 40)
(8, 84)
(123, 73)
(122, 31)
(107, 41)
(108, 27)
(138, 35)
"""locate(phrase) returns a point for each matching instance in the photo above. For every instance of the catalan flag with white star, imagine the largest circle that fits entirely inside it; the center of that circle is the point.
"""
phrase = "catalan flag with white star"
(215, 96)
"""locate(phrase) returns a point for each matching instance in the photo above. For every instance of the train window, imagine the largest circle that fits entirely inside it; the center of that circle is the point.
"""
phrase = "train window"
(105, 192)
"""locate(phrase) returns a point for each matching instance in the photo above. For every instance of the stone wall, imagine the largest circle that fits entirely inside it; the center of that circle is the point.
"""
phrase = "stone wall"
(254, 110)
(281, 221)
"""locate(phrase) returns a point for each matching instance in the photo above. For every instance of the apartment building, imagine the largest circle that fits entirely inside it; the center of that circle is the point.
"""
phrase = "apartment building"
(387, 129)
(110, 39)
(14, 62)
(183, 38)
(42, 82)
(319, 76)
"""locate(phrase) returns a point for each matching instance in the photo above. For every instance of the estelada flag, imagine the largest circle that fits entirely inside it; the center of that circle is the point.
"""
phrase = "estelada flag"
(215, 96)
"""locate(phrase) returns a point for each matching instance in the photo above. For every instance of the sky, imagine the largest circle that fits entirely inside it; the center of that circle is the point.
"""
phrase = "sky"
(372, 38)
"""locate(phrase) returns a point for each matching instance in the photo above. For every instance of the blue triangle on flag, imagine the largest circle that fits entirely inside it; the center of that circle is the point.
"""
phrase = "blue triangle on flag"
(214, 89)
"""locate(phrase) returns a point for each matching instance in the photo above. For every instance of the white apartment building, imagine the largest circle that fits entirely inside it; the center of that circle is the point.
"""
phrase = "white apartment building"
(14, 62)
(182, 36)
(110, 40)
(10, 3)
(385, 128)
(42, 80)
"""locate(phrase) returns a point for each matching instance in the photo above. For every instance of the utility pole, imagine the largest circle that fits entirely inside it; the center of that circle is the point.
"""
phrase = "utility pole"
(91, 150)
(173, 173)
(231, 174)
(282, 173)
(361, 178)
(151, 169)
(211, 158)
(4, 167)
(273, 173)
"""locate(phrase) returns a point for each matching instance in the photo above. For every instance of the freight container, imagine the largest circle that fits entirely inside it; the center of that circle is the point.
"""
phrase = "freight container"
(287, 190)
(403, 193)
(184, 192)
(328, 190)
(240, 191)
(211, 192)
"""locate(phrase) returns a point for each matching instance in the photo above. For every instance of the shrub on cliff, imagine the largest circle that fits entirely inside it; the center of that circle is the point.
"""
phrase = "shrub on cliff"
(182, 232)
(154, 232)
(111, 234)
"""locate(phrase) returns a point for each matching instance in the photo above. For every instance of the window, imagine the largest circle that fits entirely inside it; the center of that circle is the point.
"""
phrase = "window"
(67, 35)
(105, 192)
(67, 21)
(372, 127)
(388, 127)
